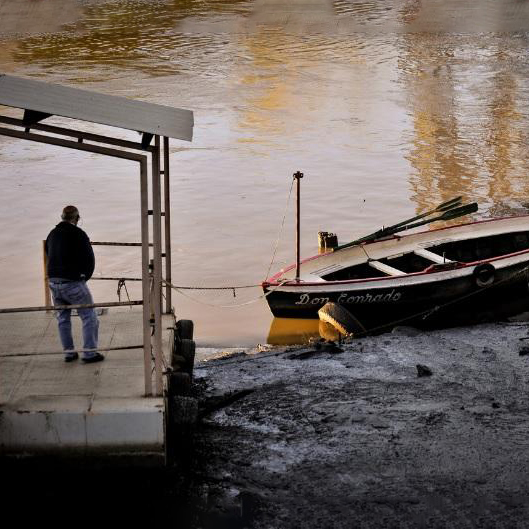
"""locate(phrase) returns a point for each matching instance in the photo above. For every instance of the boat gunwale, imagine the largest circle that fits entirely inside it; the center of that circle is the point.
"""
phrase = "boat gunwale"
(275, 283)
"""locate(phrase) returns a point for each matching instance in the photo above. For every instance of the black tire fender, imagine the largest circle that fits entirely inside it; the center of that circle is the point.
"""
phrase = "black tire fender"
(184, 329)
(484, 275)
(187, 351)
(179, 384)
(341, 319)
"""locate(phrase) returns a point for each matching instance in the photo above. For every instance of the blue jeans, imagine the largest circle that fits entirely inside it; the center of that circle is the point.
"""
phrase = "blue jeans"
(75, 293)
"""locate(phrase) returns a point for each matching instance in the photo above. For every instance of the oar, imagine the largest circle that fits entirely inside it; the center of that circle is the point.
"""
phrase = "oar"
(441, 207)
(450, 204)
(447, 215)
(389, 230)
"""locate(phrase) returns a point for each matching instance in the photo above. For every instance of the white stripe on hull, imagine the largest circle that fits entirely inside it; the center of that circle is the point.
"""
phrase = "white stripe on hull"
(314, 268)
(406, 280)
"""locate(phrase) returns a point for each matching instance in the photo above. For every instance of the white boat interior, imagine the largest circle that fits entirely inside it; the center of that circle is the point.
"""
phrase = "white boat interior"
(412, 253)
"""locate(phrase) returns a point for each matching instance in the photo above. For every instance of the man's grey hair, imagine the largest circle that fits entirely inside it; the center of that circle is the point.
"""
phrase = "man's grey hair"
(70, 213)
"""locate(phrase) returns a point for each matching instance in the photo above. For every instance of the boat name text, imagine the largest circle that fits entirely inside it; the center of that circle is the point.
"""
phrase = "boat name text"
(347, 298)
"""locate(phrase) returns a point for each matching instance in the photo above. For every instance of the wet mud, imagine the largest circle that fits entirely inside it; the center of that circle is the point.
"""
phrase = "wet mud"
(357, 436)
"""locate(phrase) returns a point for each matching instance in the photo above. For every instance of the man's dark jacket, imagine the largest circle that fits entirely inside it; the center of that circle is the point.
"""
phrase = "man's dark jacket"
(70, 254)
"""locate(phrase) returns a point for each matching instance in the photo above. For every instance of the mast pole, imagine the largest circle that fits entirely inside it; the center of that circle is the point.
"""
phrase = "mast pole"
(298, 176)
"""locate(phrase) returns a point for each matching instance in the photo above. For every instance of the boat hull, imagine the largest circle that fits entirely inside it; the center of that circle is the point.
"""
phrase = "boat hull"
(442, 299)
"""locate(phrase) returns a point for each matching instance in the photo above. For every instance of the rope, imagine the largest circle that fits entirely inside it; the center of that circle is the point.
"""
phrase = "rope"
(240, 287)
(255, 300)
(235, 287)
(365, 251)
(164, 362)
(121, 284)
(279, 234)
(424, 313)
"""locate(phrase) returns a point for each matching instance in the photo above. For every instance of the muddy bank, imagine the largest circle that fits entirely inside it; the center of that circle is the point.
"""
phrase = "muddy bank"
(323, 438)
(362, 437)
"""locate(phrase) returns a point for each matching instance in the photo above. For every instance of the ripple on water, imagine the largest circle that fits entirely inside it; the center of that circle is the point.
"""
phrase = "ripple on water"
(384, 122)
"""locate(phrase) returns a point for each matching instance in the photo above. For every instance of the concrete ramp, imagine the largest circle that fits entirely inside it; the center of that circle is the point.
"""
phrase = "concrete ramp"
(48, 406)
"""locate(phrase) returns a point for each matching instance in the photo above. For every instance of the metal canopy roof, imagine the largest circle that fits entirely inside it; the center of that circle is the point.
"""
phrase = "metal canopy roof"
(40, 100)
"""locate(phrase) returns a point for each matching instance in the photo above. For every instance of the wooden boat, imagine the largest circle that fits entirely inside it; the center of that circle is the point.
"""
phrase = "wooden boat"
(457, 275)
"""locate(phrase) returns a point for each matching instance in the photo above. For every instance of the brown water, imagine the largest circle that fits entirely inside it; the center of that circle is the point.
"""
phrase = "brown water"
(388, 107)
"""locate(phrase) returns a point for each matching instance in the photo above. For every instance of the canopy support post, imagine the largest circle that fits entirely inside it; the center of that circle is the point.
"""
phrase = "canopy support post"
(167, 211)
(157, 261)
(147, 362)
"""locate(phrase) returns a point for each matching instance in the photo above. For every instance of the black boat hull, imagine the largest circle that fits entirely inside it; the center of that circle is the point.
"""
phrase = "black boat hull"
(436, 303)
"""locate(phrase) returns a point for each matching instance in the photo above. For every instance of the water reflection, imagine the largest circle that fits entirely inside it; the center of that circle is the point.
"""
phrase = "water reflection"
(443, 166)
(139, 35)
(468, 131)
(21, 17)
(291, 331)
(383, 117)
(268, 81)
(503, 139)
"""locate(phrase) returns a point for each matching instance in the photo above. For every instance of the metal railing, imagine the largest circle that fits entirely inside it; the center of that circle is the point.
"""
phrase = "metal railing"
(47, 295)
(65, 307)
(79, 351)
(154, 303)
(151, 276)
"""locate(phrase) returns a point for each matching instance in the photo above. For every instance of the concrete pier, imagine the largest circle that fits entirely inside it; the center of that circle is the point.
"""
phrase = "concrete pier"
(48, 406)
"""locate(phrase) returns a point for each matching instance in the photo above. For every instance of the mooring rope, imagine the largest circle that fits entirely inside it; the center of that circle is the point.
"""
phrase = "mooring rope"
(424, 313)
(280, 233)
(234, 288)
(232, 306)
(122, 284)
(188, 287)
(164, 363)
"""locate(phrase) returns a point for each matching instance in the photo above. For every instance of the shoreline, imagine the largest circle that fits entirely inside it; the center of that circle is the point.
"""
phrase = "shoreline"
(320, 438)
(334, 436)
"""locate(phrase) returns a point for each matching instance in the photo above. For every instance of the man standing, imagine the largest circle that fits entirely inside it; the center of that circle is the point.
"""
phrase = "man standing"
(70, 265)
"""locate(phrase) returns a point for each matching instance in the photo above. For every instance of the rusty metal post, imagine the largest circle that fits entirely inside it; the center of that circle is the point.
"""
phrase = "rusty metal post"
(144, 189)
(157, 258)
(167, 210)
(298, 176)
(47, 295)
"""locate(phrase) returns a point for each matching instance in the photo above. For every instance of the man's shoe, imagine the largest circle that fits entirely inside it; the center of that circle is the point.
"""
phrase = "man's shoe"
(70, 357)
(98, 357)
